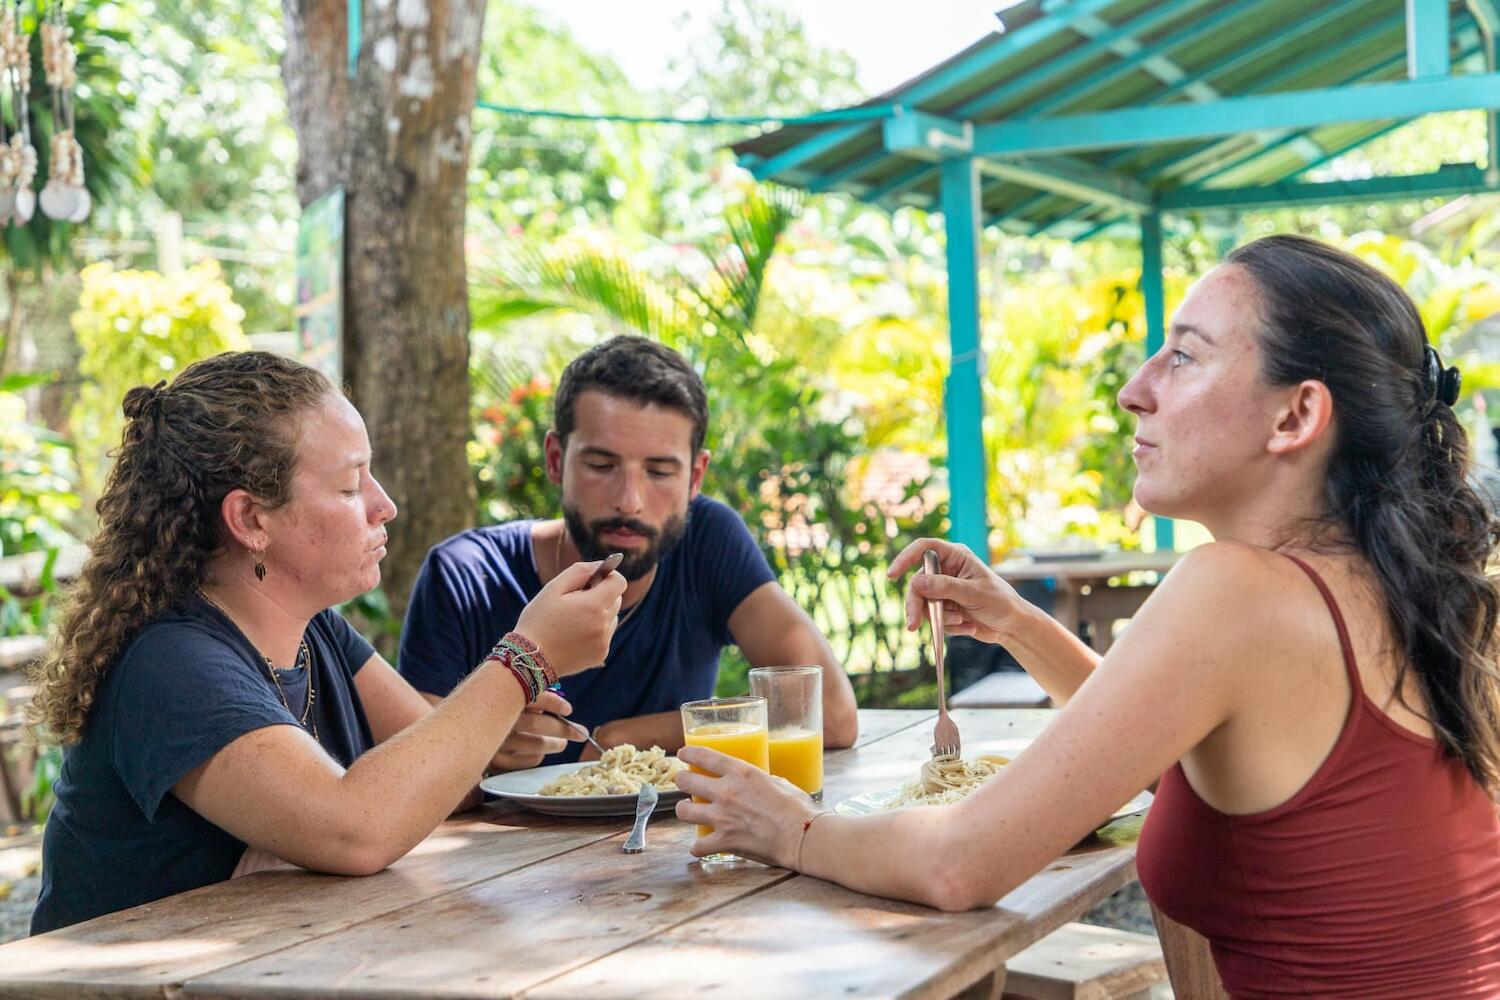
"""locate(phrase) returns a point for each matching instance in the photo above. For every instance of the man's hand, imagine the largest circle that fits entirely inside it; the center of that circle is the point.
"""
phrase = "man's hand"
(535, 735)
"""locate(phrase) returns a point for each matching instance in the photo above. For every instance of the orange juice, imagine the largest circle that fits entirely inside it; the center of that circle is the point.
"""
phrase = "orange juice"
(797, 756)
(737, 739)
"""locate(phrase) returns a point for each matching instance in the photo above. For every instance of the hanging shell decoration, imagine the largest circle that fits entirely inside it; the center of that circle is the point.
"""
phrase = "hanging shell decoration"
(17, 154)
(64, 198)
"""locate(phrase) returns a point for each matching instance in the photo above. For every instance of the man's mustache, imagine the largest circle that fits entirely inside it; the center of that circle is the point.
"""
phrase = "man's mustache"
(624, 524)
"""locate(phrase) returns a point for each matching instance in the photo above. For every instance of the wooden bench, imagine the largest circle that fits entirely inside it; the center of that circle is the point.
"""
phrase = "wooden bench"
(1004, 689)
(1085, 962)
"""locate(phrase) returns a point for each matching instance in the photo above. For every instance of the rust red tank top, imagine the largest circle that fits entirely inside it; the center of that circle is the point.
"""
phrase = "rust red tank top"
(1379, 878)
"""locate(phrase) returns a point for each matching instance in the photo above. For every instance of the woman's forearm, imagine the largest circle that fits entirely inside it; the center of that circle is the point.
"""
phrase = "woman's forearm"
(912, 854)
(398, 792)
(1057, 659)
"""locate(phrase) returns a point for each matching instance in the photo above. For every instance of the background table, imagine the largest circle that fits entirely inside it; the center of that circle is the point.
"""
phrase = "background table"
(1083, 590)
(506, 902)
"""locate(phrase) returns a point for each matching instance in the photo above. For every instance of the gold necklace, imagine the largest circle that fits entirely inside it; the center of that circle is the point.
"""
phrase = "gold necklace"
(304, 659)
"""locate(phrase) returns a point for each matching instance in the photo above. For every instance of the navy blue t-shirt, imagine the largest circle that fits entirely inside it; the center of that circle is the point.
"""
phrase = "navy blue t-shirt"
(473, 586)
(189, 685)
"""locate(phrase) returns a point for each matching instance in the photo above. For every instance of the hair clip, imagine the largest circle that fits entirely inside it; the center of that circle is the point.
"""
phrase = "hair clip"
(1442, 384)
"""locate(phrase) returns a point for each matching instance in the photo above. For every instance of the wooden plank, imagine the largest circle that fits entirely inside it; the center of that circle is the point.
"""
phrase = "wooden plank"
(1003, 689)
(496, 938)
(1085, 962)
(807, 937)
(149, 950)
(1189, 959)
(878, 723)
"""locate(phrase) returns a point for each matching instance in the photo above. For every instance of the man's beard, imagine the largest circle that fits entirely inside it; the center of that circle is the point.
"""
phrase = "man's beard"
(638, 562)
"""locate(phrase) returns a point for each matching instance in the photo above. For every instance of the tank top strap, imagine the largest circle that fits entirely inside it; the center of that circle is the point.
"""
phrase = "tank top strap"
(1345, 645)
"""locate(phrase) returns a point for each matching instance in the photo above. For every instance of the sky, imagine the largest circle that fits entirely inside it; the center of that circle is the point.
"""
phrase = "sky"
(890, 44)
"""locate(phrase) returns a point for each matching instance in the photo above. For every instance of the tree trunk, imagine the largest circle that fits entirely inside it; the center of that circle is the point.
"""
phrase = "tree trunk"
(396, 137)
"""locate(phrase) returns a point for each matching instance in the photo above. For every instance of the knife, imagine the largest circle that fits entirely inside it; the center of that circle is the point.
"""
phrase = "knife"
(645, 802)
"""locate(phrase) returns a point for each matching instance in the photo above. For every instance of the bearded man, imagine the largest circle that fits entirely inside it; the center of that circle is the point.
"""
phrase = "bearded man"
(626, 449)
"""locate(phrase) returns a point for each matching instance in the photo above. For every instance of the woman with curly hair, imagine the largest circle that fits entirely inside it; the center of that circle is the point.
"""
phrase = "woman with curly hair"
(1316, 689)
(216, 714)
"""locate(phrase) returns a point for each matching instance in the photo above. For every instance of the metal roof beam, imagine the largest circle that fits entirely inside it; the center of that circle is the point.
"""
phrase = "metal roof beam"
(1003, 48)
(927, 136)
(1105, 38)
(1158, 65)
(1452, 179)
(935, 140)
(1487, 16)
(1284, 138)
(1143, 126)
(1427, 42)
(1074, 179)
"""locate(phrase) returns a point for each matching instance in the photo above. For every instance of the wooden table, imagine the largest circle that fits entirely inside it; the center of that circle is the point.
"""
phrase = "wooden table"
(1083, 590)
(512, 903)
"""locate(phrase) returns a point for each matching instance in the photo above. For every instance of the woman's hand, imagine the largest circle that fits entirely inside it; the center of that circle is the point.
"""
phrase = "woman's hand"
(573, 626)
(753, 814)
(976, 602)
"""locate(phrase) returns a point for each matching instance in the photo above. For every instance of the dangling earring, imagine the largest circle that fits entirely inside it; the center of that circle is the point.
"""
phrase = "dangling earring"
(260, 563)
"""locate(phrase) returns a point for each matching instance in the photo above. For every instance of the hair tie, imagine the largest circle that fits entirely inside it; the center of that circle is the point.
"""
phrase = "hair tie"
(1441, 384)
(144, 400)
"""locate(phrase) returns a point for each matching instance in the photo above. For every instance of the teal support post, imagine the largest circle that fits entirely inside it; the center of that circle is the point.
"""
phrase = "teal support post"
(959, 188)
(1155, 295)
(1427, 27)
(356, 31)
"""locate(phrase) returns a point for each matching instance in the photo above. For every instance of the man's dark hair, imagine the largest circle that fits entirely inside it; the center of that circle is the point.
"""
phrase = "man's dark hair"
(636, 369)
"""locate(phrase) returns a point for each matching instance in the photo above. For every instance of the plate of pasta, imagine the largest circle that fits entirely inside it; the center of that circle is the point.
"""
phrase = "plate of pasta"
(943, 780)
(605, 787)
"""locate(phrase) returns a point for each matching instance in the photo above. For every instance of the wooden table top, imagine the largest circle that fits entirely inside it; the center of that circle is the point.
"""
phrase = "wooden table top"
(506, 902)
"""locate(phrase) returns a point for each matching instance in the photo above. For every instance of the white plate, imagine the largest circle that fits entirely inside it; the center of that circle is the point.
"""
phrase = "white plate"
(873, 802)
(522, 787)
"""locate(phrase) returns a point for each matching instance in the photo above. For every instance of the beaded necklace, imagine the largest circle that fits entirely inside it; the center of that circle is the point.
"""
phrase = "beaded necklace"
(304, 659)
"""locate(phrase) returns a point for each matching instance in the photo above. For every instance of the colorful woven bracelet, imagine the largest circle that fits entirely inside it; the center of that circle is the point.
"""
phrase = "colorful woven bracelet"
(527, 653)
(529, 675)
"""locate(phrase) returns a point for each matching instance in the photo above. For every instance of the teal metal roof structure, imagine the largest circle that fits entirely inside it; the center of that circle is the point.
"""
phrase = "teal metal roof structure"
(1082, 115)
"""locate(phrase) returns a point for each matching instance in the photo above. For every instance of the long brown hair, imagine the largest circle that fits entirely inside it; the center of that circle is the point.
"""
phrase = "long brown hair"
(226, 423)
(1397, 484)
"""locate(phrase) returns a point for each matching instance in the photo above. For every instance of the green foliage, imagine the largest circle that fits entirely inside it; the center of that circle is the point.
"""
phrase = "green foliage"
(137, 328)
(38, 501)
(219, 149)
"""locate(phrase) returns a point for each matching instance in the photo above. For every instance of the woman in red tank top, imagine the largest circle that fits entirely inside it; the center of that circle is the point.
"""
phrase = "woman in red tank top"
(1316, 689)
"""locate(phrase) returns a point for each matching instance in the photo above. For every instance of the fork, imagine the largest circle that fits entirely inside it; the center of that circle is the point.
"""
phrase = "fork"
(945, 740)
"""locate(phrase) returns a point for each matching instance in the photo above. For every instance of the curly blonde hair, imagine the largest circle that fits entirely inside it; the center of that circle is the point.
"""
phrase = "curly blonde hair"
(229, 422)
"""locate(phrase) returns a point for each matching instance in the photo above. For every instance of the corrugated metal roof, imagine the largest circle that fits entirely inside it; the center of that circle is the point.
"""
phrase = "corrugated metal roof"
(1055, 59)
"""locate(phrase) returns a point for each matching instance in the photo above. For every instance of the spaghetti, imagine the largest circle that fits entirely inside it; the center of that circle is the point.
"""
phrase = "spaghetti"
(621, 770)
(948, 779)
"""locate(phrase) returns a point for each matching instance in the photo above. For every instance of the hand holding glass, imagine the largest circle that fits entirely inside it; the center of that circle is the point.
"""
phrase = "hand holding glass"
(734, 726)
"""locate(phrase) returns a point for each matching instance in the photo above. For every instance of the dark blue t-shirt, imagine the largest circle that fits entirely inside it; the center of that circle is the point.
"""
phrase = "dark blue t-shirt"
(189, 685)
(473, 586)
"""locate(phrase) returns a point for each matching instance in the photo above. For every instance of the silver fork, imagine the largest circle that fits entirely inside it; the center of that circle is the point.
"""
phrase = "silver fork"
(945, 741)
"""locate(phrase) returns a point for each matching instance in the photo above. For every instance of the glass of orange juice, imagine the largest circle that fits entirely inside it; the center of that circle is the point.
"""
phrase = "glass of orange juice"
(794, 714)
(736, 726)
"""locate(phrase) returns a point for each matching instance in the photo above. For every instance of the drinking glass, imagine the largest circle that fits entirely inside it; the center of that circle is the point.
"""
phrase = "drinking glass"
(735, 726)
(794, 715)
